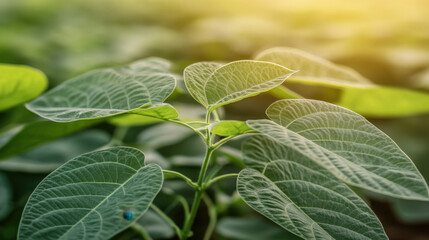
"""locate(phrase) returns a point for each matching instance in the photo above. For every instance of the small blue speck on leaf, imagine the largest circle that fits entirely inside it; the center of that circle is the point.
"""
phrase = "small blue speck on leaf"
(128, 215)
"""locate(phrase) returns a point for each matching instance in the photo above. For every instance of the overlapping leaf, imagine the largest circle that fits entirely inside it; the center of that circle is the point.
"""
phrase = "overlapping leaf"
(346, 144)
(107, 92)
(19, 84)
(300, 196)
(86, 197)
(356, 92)
(214, 84)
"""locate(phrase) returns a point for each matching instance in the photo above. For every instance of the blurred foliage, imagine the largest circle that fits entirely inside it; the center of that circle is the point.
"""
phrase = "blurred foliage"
(385, 41)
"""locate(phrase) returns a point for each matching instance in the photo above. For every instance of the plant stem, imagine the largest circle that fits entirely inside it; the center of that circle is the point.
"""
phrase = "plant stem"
(198, 195)
(220, 178)
(140, 230)
(177, 174)
(166, 218)
(188, 126)
(212, 216)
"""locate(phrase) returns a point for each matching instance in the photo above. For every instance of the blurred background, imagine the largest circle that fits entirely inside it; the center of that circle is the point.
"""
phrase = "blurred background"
(386, 41)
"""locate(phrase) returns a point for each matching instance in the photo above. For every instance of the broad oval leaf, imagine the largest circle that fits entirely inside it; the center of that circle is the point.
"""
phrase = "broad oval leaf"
(310, 67)
(356, 92)
(214, 84)
(230, 128)
(288, 188)
(19, 84)
(86, 197)
(346, 144)
(105, 92)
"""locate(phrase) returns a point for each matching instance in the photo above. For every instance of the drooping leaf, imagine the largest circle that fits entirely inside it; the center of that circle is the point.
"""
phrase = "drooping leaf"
(230, 128)
(355, 92)
(27, 136)
(48, 157)
(19, 84)
(156, 226)
(214, 85)
(5, 196)
(87, 197)
(288, 188)
(105, 92)
(346, 144)
(251, 229)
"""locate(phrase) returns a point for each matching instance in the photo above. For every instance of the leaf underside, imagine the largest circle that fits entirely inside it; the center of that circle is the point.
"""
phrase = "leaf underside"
(288, 188)
(106, 92)
(86, 197)
(344, 143)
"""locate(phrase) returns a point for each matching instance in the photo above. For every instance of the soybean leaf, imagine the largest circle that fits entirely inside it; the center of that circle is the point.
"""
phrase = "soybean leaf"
(48, 157)
(27, 136)
(214, 85)
(5, 196)
(230, 128)
(145, 116)
(19, 84)
(288, 188)
(346, 144)
(252, 229)
(87, 197)
(156, 226)
(188, 112)
(356, 92)
(310, 68)
(105, 92)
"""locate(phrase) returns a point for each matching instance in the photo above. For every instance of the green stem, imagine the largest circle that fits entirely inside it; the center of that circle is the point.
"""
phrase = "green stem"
(166, 218)
(177, 174)
(188, 126)
(140, 230)
(212, 217)
(198, 195)
(209, 183)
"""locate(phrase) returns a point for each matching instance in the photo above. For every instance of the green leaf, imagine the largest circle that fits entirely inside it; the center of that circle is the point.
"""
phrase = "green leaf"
(230, 128)
(19, 84)
(356, 92)
(288, 188)
(214, 84)
(382, 101)
(48, 157)
(161, 112)
(5, 196)
(346, 144)
(156, 226)
(251, 229)
(27, 136)
(105, 92)
(309, 67)
(87, 197)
